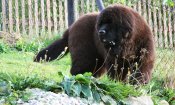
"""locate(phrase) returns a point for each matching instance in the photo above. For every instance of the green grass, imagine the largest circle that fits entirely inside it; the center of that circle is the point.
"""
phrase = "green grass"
(19, 71)
(165, 67)
(17, 63)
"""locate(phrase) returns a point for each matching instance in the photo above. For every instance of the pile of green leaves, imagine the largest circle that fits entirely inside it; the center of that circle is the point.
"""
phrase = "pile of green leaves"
(86, 86)
(12, 88)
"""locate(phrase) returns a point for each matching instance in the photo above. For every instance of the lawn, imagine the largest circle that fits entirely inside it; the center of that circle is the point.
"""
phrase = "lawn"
(17, 63)
(17, 66)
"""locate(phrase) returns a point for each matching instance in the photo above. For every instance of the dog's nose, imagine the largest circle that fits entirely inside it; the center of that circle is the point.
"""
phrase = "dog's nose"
(102, 32)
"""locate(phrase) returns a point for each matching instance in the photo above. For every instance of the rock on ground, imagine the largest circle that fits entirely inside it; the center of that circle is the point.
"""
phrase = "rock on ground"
(142, 100)
(41, 97)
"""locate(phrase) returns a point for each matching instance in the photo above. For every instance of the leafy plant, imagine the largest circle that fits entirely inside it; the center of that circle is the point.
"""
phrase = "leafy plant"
(169, 2)
(12, 89)
(12, 98)
(5, 88)
(158, 91)
(26, 46)
(4, 48)
(87, 86)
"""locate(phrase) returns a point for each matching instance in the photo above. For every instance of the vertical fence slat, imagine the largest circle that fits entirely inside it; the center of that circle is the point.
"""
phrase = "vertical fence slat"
(155, 27)
(93, 5)
(36, 17)
(30, 17)
(23, 17)
(10, 17)
(144, 3)
(150, 20)
(82, 10)
(170, 28)
(42, 17)
(134, 6)
(78, 6)
(173, 28)
(139, 7)
(48, 18)
(127, 2)
(76, 9)
(165, 38)
(87, 5)
(149, 7)
(17, 16)
(55, 16)
(65, 14)
(4, 21)
(61, 26)
(160, 24)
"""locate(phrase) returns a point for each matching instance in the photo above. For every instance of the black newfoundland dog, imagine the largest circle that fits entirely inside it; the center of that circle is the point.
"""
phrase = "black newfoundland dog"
(117, 41)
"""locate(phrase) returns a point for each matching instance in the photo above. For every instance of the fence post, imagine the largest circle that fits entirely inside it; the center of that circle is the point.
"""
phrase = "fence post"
(23, 17)
(71, 11)
(36, 17)
(17, 16)
(55, 21)
(100, 4)
(30, 17)
(10, 22)
(42, 17)
(4, 22)
(48, 18)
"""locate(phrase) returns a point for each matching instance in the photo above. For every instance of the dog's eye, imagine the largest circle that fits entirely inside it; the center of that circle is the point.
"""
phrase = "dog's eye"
(126, 35)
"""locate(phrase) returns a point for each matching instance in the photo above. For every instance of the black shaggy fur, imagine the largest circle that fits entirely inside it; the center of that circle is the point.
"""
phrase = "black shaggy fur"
(116, 41)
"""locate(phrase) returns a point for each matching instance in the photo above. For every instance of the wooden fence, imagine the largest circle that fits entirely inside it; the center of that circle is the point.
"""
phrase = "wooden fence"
(39, 17)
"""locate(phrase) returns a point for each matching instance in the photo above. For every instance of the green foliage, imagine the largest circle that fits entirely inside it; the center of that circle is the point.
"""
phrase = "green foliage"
(0, 5)
(87, 86)
(163, 94)
(5, 88)
(15, 95)
(21, 83)
(84, 86)
(158, 91)
(34, 45)
(81, 85)
(12, 85)
(20, 46)
(4, 48)
(27, 45)
(169, 2)
(12, 88)
(0, 21)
